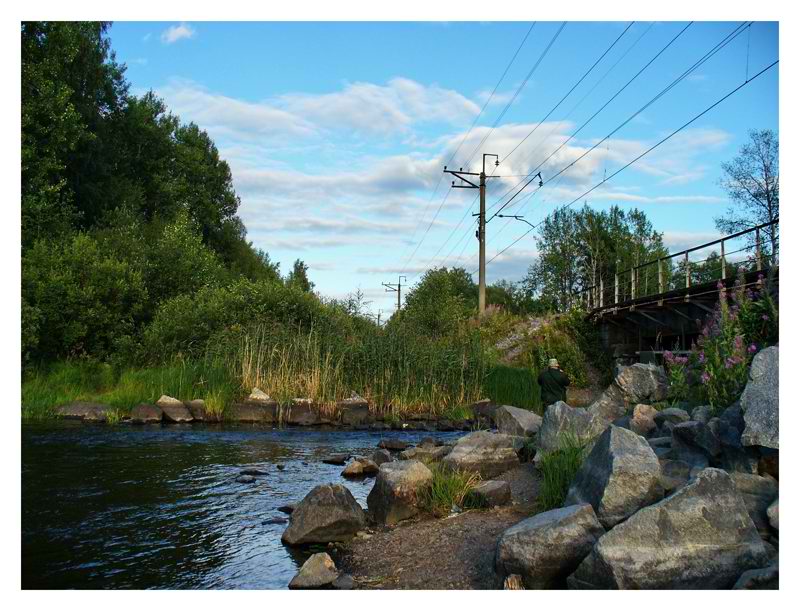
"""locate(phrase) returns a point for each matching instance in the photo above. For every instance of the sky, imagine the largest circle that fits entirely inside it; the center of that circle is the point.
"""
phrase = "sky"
(337, 133)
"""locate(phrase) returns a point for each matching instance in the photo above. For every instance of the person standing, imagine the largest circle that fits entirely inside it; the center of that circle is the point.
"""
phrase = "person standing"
(553, 383)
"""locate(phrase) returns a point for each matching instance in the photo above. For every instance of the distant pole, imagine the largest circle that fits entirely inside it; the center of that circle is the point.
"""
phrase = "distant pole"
(392, 288)
(481, 233)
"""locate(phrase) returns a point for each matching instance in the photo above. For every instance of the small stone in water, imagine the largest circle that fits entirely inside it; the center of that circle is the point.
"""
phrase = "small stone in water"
(245, 479)
(281, 467)
(252, 472)
(275, 521)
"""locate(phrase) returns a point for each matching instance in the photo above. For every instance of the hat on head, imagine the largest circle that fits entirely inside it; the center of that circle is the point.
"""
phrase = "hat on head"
(553, 363)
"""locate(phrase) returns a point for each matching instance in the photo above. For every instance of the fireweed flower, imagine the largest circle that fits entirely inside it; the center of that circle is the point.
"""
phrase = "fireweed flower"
(764, 317)
(705, 377)
(701, 357)
(752, 348)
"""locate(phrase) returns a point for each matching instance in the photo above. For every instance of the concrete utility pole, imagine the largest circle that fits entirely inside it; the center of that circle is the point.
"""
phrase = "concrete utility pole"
(481, 233)
(391, 288)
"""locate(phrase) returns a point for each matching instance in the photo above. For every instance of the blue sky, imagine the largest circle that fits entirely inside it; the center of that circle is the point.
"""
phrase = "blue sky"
(336, 133)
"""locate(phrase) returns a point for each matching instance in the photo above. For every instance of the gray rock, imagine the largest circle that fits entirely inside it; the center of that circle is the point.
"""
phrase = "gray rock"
(493, 493)
(301, 412)
(258, 396)
(316, 572)
(734, 417)
(245, 479)
(355, 411)
(515, 421)
(772, 514)
(733, 456)
(381, 456)
(548, 547)
(758, 493)
(760, 401)
(395, 495)
(395, 445)
(609, 406)
(425, 453)
(360, 467)
(83, 410)
(336, 459)
(560, 419)
(343, 582)
(253, 471)
(759, 579)
(484, 410)
(488, 454)
(327, 513)
(176, 412)
(146, 414)
(642, 383)
(703, 413)
(619, 476)
(700, 537)
(167, 401)
(672, 415)
(197, 408)
(643, 419)
(674, 474)
(288, 509)
(252, 412)
(694, 443)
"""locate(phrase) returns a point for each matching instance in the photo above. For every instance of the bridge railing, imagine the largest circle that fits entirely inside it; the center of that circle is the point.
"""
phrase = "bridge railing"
(753, 250)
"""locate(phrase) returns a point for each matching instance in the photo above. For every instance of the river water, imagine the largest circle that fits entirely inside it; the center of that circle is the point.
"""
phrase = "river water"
(159, 507)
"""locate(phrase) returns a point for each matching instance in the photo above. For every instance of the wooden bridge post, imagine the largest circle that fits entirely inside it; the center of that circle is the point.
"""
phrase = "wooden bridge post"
(660, 280)
(722, 257)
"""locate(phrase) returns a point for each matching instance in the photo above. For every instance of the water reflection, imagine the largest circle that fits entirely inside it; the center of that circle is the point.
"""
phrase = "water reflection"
(153, 507)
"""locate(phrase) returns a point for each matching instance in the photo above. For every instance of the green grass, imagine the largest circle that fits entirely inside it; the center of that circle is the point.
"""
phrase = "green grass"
(449, 487)
(515, 386)
(78, 380)
(558, 469)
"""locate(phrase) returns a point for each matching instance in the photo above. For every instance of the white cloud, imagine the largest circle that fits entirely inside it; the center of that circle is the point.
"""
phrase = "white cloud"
(178, 32)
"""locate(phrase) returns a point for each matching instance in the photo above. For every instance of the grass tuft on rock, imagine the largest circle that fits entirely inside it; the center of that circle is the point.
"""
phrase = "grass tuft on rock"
(558, 468)
(449, 487)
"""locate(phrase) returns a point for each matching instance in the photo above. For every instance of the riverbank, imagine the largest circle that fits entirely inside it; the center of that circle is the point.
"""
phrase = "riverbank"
(452, 553)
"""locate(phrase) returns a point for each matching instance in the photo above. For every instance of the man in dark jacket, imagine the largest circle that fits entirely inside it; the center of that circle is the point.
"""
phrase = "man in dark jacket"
(553, 383)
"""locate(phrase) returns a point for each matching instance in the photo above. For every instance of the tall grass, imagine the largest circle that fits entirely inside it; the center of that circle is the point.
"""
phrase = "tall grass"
(396, 372)
(515, 386)
(558, 469)
(447, 488)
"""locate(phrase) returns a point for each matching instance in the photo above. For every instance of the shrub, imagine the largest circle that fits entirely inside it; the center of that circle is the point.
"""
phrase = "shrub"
(79, 300)
(558, 468)
(447, 488)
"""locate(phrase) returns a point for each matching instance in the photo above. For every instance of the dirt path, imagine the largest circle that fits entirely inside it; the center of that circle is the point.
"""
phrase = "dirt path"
(454, 553)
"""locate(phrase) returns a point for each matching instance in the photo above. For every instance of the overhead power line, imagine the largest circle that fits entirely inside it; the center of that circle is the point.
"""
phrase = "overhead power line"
(638, 157)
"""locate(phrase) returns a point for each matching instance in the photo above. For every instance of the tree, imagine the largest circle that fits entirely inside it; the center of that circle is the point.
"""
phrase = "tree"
(439, 302)
(751, 181)
(298, 277)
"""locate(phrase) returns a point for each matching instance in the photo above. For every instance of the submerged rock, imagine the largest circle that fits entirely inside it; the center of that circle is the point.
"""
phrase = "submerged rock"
(760, 401)
(395, 445)
(619, 476)
(488, 454)
(360, 467)
(83, 410)
(395, 495)
(548, 547)
(253, 471)
(700, 537)
(327, 513)
(318, 571)
(336, 459)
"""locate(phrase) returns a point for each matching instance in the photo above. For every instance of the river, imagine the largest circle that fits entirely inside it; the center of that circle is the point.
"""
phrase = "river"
(158, 507)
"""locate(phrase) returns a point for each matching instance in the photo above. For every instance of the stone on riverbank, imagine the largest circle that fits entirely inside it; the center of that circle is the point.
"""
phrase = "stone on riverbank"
(760, 401)
(316, 572)
(336, 459)
(643, 419)
(515, 421)
(395, 495)
(146, 414)
(395, 445)
(758, 493)
(360, 467)
(301, 412)
(258, 396)
(83, 410)
(327, 513)
(700, 537)
(488, 454)
(492, 493)
(197, 407)
(355, 411)
(174, 410)
(619, 476)
(425, 453)
(548, 547)
(561, 419)
(381, 456)
(252, 412)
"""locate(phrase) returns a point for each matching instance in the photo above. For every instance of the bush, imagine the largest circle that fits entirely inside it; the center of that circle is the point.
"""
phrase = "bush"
(78, 300)
(558, 468)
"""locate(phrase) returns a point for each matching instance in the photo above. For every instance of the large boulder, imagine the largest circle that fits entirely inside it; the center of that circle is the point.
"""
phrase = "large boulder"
(355, 411)
(327, 513)
(258, 396)
(174, 410)
(759, 579)
(548, 547)
(758, 493)
(301, 412)
(733, 456)
(560, 419)
(700, 537)
(381, 456)
(515, 421)
(488, 454)
(425, 453)
(146, 414)
(642, 383)
(694, 443)
(318, 571)
(619, 476)
(396, 493)
(773, 515)
(197, 407)
(252, 412)
(760, 401)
